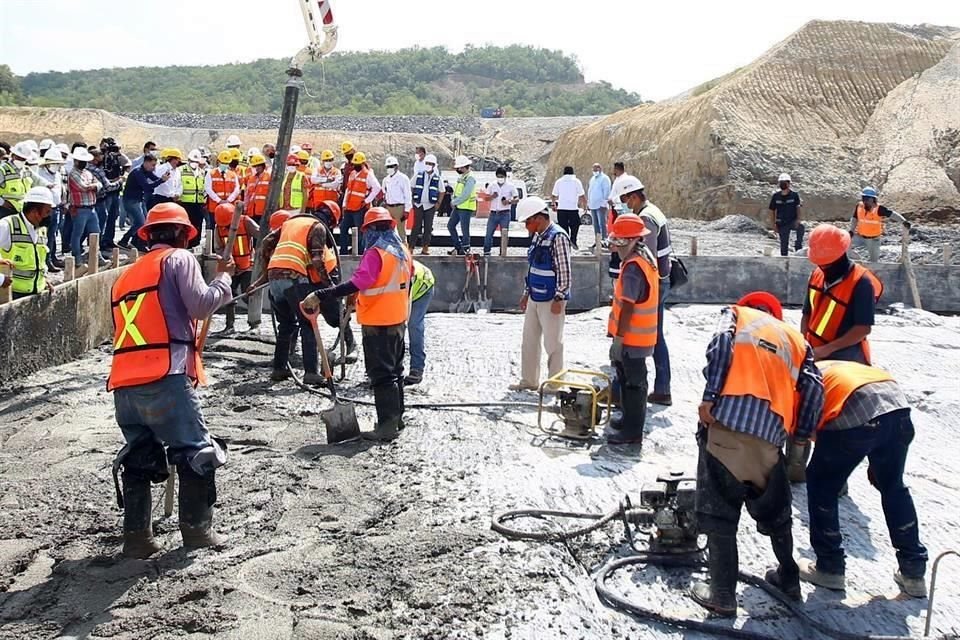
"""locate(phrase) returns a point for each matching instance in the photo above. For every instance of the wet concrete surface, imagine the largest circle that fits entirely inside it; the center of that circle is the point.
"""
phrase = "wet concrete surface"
(393, 541)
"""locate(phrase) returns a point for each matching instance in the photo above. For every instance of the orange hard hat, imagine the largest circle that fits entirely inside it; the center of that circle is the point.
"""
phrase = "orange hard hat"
(223, 214)
(377, 214)
(763, 300)
(277, 218)
(334, 210)
(827, 244)
(167, 213)
(306, 146)
(628, 226)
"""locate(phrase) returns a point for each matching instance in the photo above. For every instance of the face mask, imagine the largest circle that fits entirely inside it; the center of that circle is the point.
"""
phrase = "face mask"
(501, 181)
(19, 164)
(224, 168)
(153, 153)
(430, 168)
(623, 207)
(291, 169)
(328, 165)
(194, 165)
(391, 171)
(596, 172)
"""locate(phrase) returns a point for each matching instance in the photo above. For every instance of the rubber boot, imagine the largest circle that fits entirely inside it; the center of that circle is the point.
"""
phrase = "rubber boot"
(629, 427)
(198, 494)
(400, 384)
(138, 540)
(231, 317)
(720, 594)
(786, 577)
(388, 401)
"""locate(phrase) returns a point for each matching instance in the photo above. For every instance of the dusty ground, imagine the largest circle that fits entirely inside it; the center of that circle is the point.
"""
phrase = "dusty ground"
(393, 541)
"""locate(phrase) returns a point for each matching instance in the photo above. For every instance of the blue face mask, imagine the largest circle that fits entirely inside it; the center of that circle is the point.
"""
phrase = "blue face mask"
(224, 168)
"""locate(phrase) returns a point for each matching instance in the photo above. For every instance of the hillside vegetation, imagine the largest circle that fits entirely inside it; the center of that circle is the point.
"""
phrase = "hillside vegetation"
(525, 81)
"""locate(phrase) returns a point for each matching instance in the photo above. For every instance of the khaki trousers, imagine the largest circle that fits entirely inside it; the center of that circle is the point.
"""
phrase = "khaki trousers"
(539, 323)
(396, 212)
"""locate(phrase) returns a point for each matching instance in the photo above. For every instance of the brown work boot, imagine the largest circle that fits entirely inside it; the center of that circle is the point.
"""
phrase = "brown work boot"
(199, 537)
(138, 540)
(140, 544)
(425, 251)
(663, 399)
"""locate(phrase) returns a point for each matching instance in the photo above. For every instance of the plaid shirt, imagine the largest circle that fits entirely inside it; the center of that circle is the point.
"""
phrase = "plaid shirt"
(868, 403)
(83, 189)
(749, 414)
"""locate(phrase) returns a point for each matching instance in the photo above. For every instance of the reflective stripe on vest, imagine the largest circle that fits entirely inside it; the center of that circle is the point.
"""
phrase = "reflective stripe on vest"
(14, 186)
(292, 250)
(840, 380)
(869, 223)
(28, 257)
(642, 331)
(319, 193)
(541, 278)
(828, 305)
(433, 190)
(387, 302)
(242, 249)
(222, 185)
(357, 190)
(423, 281)
(194, 191)
(257, 187)
(766, 361)
(470, 204)
(141, 338)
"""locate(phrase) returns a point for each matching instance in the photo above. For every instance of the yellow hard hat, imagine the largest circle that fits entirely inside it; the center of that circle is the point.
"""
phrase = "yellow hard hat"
(235, 154)
(302, 155)
(257, 159)
(346, 147)
(359, 158)
(326, 154)
(172, 153)
(224, 157)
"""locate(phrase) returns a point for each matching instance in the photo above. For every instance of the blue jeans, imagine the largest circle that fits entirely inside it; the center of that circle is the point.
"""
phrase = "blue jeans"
(600, 221)
(351, 219)
(418, 315)
(52, 231)
(167, 410)
(460, 242)
(84, 223)
(885, 442)
(497, 219)
(108, 228)
(134, 209)
(661, 354)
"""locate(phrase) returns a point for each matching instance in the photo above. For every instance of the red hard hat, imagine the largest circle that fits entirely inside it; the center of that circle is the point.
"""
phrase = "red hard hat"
(628, 225)
(293, 160)
(306, 146)
(167, 213)
(763, 300)
(334, 210)
(223, 214)
(378, 214)
(827, 245)
(277, 218)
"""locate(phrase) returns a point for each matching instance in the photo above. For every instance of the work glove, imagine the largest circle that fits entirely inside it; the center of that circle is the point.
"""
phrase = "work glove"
(797, 460)
(616, 350)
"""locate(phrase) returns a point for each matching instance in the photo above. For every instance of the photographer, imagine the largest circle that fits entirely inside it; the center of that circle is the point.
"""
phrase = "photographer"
(115, 165)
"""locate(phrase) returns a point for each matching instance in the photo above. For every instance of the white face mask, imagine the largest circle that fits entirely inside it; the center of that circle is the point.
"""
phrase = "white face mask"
(18, 163)
(194, 165)
(328, 165)
(391, 171)
(596, 172)
(501, 181)
(291, 169)
(430, 168)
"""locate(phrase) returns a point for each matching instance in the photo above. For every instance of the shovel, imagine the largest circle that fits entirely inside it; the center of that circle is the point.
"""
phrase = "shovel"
(460, 305)
(341, 419)
(484, 303)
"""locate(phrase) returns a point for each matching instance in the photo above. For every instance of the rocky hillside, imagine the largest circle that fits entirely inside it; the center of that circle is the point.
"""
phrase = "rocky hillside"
(808, 106)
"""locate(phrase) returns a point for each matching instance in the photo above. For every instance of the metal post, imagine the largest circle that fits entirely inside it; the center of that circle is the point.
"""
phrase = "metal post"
(93, 254)
(933, 587)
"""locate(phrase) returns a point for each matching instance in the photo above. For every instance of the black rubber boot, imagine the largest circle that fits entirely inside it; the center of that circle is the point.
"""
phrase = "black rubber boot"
(388, 402)
(786, 577)
(629, 427)
(231, 317)
(720, 594)
(400, 384)
(138, 540)
(198, 494)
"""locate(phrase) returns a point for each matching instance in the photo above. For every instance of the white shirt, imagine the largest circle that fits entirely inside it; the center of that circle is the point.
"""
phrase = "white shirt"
(419, 166)
(374, 185)
(506, 190)
(613, 189)
(172, 188)
(396, 189)
(425, 195)
(567, 191)
(208, 188)
(6, 242)
(56, 181)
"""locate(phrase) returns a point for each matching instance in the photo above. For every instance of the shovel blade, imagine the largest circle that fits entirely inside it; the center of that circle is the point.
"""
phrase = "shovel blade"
(341, 423)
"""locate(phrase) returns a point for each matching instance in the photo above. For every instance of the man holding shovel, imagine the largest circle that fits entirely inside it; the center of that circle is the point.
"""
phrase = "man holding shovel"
(382, 285)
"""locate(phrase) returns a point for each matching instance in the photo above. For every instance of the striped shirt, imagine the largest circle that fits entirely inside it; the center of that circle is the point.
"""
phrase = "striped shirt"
(83, 189)
(749, 414)
(867, 403)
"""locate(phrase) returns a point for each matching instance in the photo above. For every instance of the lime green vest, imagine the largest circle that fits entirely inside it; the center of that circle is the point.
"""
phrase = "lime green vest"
(423, 280)
(470, 204)
(29, 259)
(296, 192)
(14, 186)
(193, 186)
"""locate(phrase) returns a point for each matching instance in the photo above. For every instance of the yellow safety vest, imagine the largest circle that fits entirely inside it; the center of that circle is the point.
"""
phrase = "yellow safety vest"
(194, 191)
(29, 258)
(470, 204)
(423, 281)
(14, 186)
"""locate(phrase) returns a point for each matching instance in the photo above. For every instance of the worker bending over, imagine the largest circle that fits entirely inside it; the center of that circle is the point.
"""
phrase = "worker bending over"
(156, 366)
(243, 251)
(382, 285)
(762, 387)
(865, 415)
(866, 225)
(633, 324)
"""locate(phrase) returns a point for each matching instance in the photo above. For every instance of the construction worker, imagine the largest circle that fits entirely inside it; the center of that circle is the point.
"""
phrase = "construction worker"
(313, 163)
(221, 185)
(348, 151)
(866, 225)
(156, 366)
(838, 311)
(381, 282)
(257, 188)
(13, 180)
(239, 166)
(243, 252)
(632, 324)
(545, 294)
(296, 187)
(170, 190)
(332, 310)
(785, 206)
(193, 196)
(361, 188)
(616, 208)
(464, 206)
(421, 293)
(23, 247)
(301, 257)
(762, 387)
(397, 194)
(325, 181)
(428, 193)
(865, 415)
(630, 191)
(233, 144)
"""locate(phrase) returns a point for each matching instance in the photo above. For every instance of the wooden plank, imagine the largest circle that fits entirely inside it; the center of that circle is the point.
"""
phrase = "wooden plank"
(93, 254)
(69, 268)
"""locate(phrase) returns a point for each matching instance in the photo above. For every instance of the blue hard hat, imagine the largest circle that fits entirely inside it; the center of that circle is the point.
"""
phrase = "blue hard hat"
(868, 192)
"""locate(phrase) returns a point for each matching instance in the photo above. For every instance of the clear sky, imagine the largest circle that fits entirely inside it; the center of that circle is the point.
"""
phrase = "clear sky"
(657, 49)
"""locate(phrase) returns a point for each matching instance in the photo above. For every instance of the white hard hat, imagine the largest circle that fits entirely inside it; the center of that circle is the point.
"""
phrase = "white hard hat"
(233, 141)
(32, 144)
(626, 184)
(21, 149)
(430, 159)
(784, 177)
(531, 206)
(294, 148)
(81, 154)
(462, 161)
(63, 148)
(252, 151)
(194, 155)
(390, 162)
(52, 156)
(41, 195)
(33, 159)
(45, 144)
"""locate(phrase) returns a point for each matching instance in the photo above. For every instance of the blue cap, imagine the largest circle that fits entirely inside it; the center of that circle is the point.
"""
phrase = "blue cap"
(868, 192)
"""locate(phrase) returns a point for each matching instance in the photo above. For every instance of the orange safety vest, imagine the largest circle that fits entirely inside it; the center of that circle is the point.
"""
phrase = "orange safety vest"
(828, 306)
(141, 338)
(356, 190)
(256, 197)
(293, 252)
(869, 224)
(767, 356)
(319, 193)
(840, 380)
(643, 323)
(387, 301)
(222, 185)
(242, 247)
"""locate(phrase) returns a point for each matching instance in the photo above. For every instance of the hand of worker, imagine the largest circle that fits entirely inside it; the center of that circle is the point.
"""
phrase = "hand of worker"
(166, 176)
(7, 281)
(258, 283)
(798, 453)
(523, 303)
(822, 352)
(49, 286)
(227, 266)
(556, 307)
(311, 304)
(616, 350)
(705, 411)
